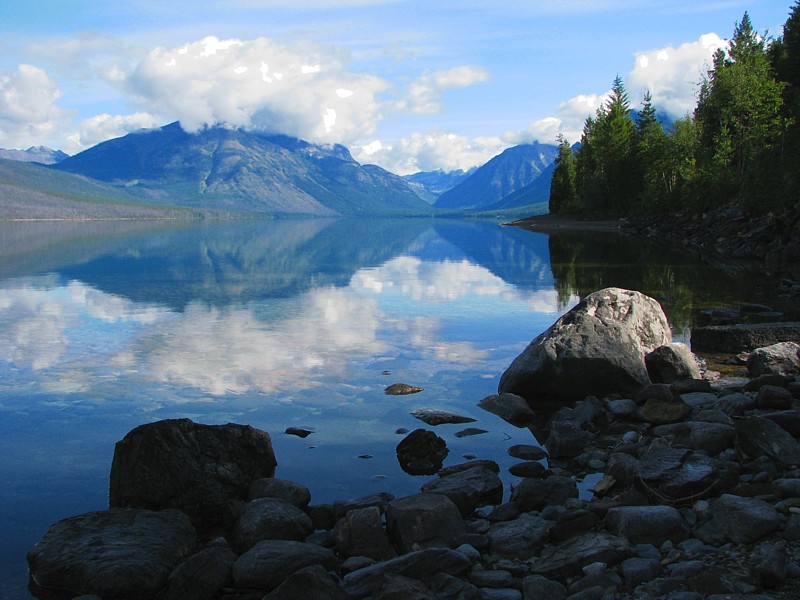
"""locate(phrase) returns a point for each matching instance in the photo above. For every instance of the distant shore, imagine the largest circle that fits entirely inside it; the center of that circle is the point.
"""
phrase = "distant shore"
(551, 222)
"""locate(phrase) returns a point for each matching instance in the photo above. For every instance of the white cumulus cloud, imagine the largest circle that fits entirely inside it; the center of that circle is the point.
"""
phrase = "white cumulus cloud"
(423, 96)
(28, 110)
(104, 127)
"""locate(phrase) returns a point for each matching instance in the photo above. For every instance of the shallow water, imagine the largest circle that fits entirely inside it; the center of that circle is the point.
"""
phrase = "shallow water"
(105, 326)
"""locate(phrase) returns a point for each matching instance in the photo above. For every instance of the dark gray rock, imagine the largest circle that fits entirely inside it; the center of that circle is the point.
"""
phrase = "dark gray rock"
(380, 500)
(360, 533)
(447, 587)
(660, 411)
(762, 437)
(308, 583)
(527, 452)
(772, 397)
(496, 578)
(528, 469)
(469, 485)
(567, 439)
(597, 348)
(425, 520)
(535, 494)
(736, 404)
(270, 519)
(267, 564)
(573, 522)
(402, 389)
(521, 538)
(434, 417)
(637, 570)
(202, 576)
(568, 558)
(422, 565)
(778, 359)
(398, 587)
(203, 470)
(789, 488)
(509, 407)
(119, 553)
(789, 420)
(771, 570)
(670, 363)
(711, 438)
(625, 408)
(676, 473)
(647, 524)
(733, 339)
(291, 492)
(536, 586)
(739, 520)
(421, 452)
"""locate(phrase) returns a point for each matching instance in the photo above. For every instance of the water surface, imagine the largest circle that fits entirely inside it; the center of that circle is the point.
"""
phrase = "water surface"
(105, 326)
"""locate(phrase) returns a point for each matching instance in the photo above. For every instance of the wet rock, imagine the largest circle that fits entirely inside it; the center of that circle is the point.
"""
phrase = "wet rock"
(267, 564)
(521, 538)
(421, 452)
(597, 348)
(422, 565)
(308, 583)
(778, 359)
(535, 494)
(402, 389)
(536, 586)
(360, 533)
(573, 522)
(301, 432)
(270, 519)
(202, 576)
(509, 407)
(739, 520)
(743, 337)
(527, 452)
(203, 470)
(380, 500)
(423, 520)
(670, 363)
(711, 438)
(447, 587)
(568, 558)
(676, 473)
(434, 417)
(757, 436)
(118, 553)
(567, 439)
(470, 431)
(468, 485)
(772, 397)
(647, 524)
(527, 469)
(397, 587)
(291, 492)
(637, 570)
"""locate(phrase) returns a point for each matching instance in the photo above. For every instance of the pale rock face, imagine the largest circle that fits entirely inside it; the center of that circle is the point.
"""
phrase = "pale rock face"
(595, 349)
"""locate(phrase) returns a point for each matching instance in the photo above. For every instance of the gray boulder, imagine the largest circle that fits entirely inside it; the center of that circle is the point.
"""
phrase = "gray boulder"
(202, 576)
(647, 524)
(308, 583)
(521, 538)
(423, 520)
(270, 487)
(509, 407)
(118, 553)
(469, 485)
(423, 565)
(712, 438)
(568, 558)
(759, 436)
(360, 533)
(267, 564)
(670, 363)
(782, 358)
(739, 520)
(270, 519)
(567, 439)
(535, 494)
(597, 348)
(203, 470)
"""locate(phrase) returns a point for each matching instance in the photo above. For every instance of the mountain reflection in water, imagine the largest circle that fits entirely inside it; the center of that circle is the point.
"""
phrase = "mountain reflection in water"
(276, 324)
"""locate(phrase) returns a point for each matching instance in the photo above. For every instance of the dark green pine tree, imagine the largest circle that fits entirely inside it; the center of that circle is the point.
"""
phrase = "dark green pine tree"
(652, 158)
(563, 186)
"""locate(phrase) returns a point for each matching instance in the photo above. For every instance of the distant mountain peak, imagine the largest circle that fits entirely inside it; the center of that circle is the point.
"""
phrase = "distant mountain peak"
(37, 154)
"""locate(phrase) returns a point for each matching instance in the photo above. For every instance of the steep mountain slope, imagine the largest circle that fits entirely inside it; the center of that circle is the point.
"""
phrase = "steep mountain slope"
(429, 185)
(515, 168)
(236, 170)
(536, 192)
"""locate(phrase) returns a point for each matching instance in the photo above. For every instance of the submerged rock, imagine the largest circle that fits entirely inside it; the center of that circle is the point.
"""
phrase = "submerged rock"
(434, 417)
(402, 389)
(421, 452)
(597, 348)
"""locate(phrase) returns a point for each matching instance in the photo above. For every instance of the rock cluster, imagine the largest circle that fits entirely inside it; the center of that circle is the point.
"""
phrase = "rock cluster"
(695, 492)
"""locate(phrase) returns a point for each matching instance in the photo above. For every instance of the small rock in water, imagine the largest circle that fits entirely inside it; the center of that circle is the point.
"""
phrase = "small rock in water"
(401, 430)
(434, 417)
(299, 431)
(364, 456)
(470, 431)
(401, 389)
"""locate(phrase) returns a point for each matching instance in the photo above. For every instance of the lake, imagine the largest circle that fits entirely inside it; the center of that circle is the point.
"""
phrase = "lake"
(294, 323)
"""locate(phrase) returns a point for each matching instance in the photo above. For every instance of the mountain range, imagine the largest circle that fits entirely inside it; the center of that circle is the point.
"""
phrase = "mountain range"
(232, 170)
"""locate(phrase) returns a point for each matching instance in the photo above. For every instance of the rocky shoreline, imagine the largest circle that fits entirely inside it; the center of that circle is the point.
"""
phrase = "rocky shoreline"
(697, 492)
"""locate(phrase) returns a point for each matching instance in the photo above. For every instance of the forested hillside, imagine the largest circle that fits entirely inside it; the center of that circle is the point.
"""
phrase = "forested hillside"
(740, 146)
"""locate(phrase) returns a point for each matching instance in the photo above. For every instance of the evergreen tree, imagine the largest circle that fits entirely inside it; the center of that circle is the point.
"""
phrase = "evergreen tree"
(563, 187)
(656, 183)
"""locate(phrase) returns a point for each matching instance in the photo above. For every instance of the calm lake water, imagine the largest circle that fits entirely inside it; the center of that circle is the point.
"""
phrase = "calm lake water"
(105, 326)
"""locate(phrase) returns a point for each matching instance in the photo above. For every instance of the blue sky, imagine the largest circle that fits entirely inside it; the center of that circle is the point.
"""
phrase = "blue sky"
(408, 85)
